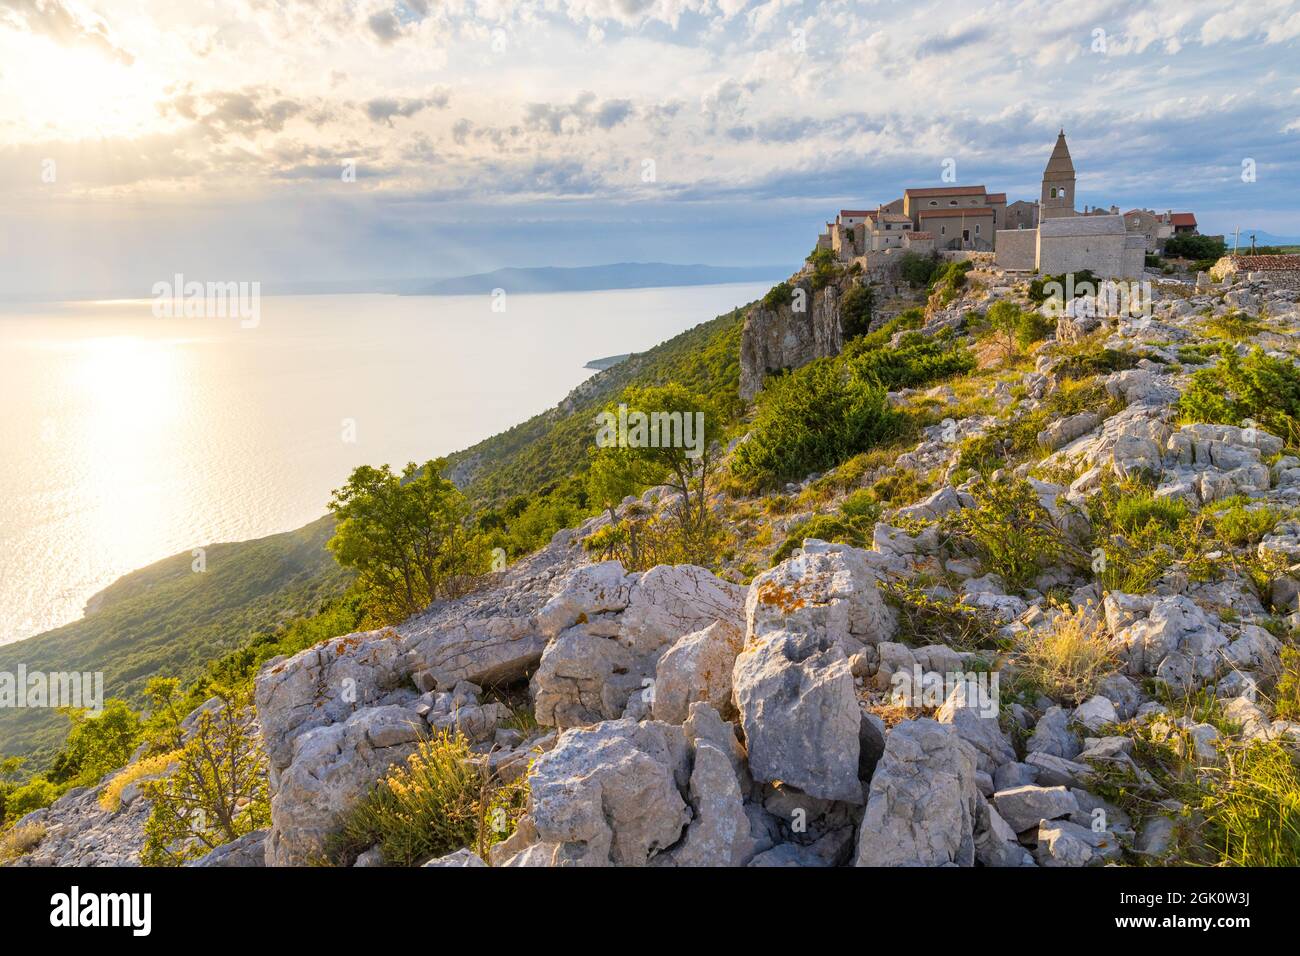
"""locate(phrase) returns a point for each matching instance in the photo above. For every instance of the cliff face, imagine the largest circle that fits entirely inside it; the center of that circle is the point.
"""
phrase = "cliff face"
(782, 338)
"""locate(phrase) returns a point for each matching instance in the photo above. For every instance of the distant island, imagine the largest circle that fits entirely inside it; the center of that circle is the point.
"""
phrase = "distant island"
(609, 361)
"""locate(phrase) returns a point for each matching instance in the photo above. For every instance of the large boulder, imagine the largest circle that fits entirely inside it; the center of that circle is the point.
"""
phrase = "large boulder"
(492, 636)
(327, 684)
(610, 794)
(800, 713)
(330, 768)
(827, 590)
(613, 628)
(697, 668)
(973, 713)
(922, 807)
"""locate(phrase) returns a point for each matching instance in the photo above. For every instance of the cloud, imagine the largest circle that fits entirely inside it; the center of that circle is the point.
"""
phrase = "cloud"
(247, 112)
(51, 18)
(383, 109)
(583, 114)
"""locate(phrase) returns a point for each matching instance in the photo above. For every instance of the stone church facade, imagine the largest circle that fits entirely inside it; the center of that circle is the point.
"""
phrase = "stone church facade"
(1065, 240)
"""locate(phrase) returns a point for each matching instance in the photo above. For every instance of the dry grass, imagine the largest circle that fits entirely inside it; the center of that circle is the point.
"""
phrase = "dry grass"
(1070, 658)
(110, 798)
(20, 840)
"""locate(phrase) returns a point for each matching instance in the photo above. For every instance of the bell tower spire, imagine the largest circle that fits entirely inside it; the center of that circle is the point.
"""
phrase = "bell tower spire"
(1057, 199)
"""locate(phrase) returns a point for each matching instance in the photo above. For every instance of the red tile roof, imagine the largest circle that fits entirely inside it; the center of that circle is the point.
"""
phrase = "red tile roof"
(996, 197)
(919, 235)
(1287, 263)
(945, 191)
(856, 212)
(1184, 219)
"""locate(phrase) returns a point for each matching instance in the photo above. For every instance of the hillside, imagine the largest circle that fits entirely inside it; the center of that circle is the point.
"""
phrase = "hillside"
(551, 446)
(998, 580)
(166, 619)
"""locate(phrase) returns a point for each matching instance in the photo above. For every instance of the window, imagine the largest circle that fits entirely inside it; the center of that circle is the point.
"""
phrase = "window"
(934, 202)
(977, 228)
(952, 202)
(943, 230)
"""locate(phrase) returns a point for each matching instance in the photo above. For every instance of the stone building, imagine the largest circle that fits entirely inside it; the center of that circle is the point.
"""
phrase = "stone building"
(1022, 214)
(1066, 240)
(1157, 227)
(1282, 272)
(959, 217)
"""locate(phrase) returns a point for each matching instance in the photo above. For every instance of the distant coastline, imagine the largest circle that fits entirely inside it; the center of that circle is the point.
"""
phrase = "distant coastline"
(514, 281)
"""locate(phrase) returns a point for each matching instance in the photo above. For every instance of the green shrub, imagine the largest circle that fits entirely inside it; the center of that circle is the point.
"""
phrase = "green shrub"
(434, 804)
(1286, 696)
(915, 362)
(926, 619)
(1083, 279)
(32, 795)
(1236, 523)
(1188, 246)
(1076, 363)
(852, 525)
(825, 268)
(1133, 512)
(855, 311)
(810, 420)
(1233, 326)
(917, 270)
(1252, 808)
(1258, 387)
(780, 294)
(1010, 530)
(947, 282)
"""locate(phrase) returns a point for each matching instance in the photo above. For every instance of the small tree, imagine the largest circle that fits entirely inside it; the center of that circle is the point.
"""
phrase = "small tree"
(218, 791)
(686, 470)
(407, 537)
(162, 728)
(1004, 319)
(95, 744)
(613, 476)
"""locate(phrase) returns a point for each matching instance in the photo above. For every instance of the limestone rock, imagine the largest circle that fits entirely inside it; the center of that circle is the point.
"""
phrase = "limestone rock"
(922, 806)
(697, 668)
(611, 794)
(798, 706)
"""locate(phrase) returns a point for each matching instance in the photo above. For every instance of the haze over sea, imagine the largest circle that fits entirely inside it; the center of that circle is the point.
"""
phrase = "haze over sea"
(127, 438)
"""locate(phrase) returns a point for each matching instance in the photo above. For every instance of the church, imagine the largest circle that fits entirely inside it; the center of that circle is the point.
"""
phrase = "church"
(1066, 240)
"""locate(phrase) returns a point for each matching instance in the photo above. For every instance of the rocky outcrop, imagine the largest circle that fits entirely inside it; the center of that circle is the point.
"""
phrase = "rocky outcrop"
(612, 629)
(791, 334)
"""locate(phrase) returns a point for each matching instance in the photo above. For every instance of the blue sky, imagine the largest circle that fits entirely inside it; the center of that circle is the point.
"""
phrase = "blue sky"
(139, 138)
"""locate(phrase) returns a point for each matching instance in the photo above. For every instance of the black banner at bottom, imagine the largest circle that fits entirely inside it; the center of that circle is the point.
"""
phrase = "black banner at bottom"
(335, 906)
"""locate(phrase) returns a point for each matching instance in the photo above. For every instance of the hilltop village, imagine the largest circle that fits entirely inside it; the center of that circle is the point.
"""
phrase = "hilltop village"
(1048, 235)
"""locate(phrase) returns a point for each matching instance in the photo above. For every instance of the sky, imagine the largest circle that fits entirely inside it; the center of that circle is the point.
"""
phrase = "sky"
(301, 140)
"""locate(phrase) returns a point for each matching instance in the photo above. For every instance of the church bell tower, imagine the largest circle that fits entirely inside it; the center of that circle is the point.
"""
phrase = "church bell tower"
(1057, 199)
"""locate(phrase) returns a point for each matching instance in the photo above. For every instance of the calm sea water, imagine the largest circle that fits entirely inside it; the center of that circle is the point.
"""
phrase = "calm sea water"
(125, 438)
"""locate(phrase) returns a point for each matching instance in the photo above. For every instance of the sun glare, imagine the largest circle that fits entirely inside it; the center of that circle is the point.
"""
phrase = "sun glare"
(78, 91)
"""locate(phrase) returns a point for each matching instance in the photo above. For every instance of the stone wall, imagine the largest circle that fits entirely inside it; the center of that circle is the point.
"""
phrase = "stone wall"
(1104, 255)
(1017, 249)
